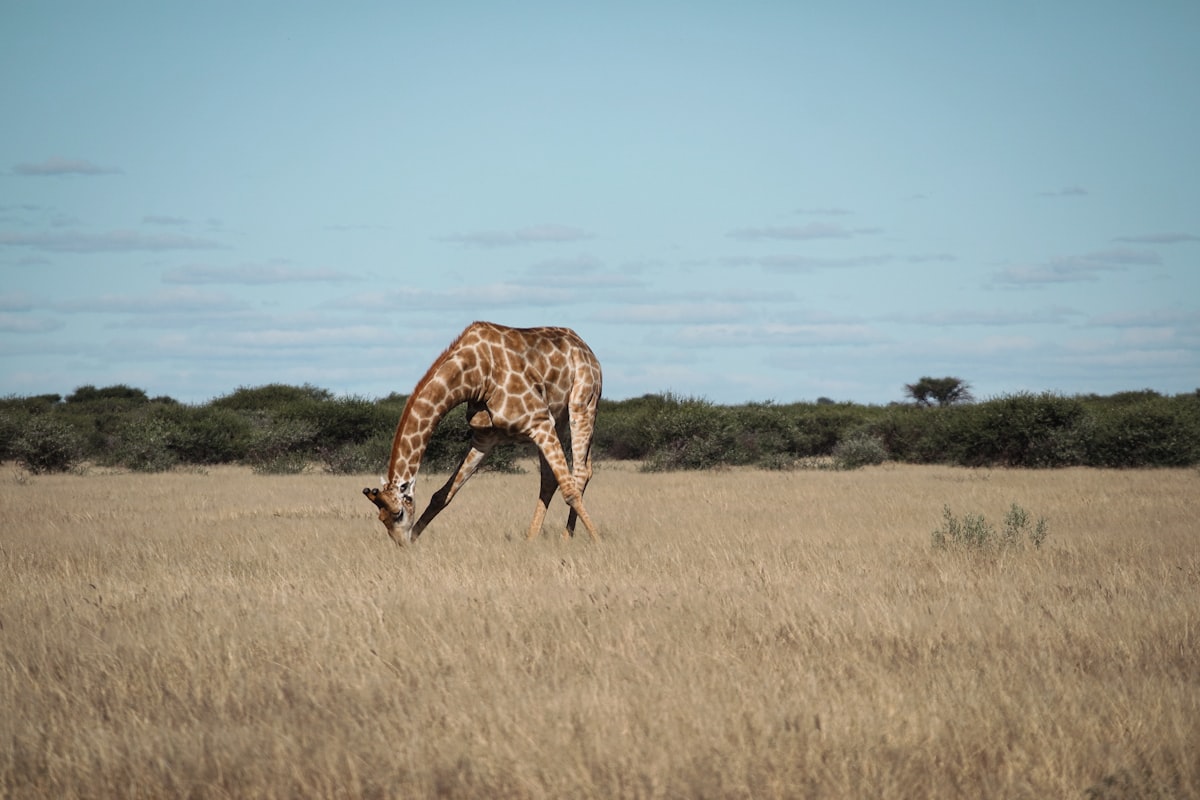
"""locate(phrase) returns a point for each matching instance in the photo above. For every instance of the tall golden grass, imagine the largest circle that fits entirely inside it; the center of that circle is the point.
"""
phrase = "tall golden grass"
(734, 634)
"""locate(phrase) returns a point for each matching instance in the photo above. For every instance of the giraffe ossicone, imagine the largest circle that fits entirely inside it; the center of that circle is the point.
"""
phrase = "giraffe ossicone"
(518, 383)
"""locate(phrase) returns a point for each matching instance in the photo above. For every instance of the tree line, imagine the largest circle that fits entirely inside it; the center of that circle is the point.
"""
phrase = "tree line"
(280, 428)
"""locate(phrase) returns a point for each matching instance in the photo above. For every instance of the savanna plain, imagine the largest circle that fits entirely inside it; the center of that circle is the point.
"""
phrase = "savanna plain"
(736, 633)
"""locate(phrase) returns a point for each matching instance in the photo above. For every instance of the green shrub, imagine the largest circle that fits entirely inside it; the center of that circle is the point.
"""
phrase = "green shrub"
(281, 447)
(859, 449)
(271, 398)
(340, 421)
(973, 532)
(46, 444)
(1145, 430)
(819, 428)
(1017, 529)
(625, 431)
(144, 443)
(357, 458)
(664, 431)
(906, 433)
(1020, 430)
(692, 434)
(12, 421)
(777, 462)
(763, 432)
(209, 435)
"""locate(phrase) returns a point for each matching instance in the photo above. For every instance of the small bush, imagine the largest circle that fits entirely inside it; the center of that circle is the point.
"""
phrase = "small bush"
(282, 447)
(1017, 529)
(209, 435)
(859, 450)
(11, 424)
(370, 457)
(1145, 430)
(1020, 430)
(819, 428)
(345, 420)
(145, 444)
(623, 429)
(46, 444)
(692, 434)
(273, 398)
(778, 462)
(973, 532)
(763, 433)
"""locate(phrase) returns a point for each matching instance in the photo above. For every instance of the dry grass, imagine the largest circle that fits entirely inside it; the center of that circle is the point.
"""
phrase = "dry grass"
(736, 634)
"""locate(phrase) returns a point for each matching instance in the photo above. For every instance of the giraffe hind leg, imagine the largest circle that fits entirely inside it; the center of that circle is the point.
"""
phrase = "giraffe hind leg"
(582, 421)
(582, 481)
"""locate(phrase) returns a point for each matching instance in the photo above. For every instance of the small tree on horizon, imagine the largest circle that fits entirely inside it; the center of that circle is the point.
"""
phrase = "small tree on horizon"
(943, 391)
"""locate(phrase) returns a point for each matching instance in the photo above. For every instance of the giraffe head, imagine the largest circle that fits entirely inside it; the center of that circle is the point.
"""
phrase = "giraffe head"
(396, 509)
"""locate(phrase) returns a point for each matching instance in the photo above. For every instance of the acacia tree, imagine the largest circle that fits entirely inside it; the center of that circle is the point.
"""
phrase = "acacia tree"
(943, 391)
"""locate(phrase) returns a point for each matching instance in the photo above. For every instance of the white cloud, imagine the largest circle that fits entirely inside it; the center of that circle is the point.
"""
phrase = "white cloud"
(108, 242)
(1066, 191)
(252, 274)
(1050, 316)
(795, 263)
(536, 234)
(1159, 238)
(828, 211)
(673, 313)
(25, 323)
(15, 301)
(813, 230)
(472, 299)
(182, 300)
(776, 334)
(582, 271)
(62, 166)
(1073, 269)
(325, 337)
(1147, 318)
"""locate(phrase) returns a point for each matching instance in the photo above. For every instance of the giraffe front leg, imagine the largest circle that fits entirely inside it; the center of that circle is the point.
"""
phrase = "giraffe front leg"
(552, 452)
(581, 512)
(545, 495)
(442, 497)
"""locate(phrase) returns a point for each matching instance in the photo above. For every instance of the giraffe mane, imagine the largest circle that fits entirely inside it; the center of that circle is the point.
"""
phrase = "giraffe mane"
(406, 414)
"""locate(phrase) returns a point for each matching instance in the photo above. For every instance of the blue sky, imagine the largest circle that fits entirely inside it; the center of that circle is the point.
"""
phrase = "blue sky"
(737, 201)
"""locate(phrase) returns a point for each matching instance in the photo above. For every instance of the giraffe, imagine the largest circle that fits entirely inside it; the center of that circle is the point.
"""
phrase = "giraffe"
(517, 383)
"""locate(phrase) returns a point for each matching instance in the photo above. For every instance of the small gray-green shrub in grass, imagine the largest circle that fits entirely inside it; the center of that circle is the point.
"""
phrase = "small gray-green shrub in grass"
(46, 444)
(144, 443)
(859, 450)
(358, 458)
(283, 447)
(973, 532)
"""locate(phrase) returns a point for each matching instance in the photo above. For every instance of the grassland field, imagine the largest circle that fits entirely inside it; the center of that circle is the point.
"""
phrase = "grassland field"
(735, 634)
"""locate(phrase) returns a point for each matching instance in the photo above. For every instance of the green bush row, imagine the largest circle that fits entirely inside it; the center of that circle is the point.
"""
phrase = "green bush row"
(278, 428)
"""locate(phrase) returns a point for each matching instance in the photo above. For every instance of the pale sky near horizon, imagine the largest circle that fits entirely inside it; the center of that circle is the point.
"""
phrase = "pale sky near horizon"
(737, 201)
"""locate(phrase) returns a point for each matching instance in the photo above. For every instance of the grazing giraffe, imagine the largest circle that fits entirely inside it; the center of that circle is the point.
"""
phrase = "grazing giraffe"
(517, 383)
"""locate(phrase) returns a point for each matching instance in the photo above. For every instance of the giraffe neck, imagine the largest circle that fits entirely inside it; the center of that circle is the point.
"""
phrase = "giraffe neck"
(440, 390)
